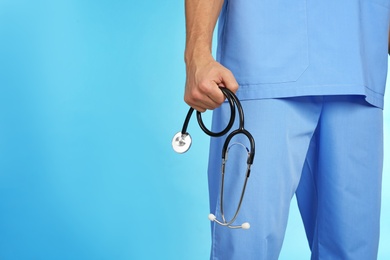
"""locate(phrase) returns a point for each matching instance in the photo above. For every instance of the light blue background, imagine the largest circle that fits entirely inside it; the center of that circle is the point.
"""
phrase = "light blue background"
(90, 97)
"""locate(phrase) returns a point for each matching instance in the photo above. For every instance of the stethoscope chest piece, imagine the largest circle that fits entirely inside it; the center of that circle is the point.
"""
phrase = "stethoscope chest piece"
(181, 142)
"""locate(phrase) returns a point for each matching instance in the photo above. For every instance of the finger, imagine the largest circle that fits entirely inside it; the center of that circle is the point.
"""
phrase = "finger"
(199, 109)
(205, 104)
(210, 93)
(216, 94)
(200, 101)
(201, 106)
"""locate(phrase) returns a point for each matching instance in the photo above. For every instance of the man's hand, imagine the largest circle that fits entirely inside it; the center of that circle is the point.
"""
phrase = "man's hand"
(204, 78)
(204, 74)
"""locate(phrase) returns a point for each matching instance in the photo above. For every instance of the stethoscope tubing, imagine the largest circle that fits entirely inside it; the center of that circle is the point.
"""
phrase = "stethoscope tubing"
(232, 101)
(234, 104)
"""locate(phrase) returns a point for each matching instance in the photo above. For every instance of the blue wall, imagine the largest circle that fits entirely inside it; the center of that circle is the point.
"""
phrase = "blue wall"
(90, 97)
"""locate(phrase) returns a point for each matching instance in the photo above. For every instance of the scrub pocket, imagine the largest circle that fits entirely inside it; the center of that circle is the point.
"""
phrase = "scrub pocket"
(263, 41)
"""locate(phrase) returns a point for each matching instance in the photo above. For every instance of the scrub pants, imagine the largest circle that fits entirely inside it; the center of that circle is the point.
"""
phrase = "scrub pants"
(328, 150)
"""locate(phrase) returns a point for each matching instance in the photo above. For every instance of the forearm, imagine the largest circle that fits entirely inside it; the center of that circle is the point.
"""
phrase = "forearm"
(204, 74)
(201, 17)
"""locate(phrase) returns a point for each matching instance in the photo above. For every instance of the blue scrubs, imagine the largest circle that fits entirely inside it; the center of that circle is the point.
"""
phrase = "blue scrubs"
(327, 149)
(306, 47)
(312, 78)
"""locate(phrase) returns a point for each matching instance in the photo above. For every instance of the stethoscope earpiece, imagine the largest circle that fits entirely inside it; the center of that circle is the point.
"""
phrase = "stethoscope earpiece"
(212, 217)
(182, 141)
(244, 225)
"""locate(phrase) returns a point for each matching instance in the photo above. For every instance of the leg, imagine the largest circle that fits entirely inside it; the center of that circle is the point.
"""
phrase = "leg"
(346, 184)
(282, 129)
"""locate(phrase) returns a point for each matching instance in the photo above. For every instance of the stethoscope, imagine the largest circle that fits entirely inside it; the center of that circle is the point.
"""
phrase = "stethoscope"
(182, 141)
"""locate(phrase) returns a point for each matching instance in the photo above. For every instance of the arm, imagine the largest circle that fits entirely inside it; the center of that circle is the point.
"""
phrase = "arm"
(204, 74)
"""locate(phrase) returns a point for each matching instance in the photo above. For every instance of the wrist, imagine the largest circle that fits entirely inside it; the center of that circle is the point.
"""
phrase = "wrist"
(198, 59)
(194, 54)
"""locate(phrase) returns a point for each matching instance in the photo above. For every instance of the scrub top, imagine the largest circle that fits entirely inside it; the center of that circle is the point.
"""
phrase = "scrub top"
(284, 48)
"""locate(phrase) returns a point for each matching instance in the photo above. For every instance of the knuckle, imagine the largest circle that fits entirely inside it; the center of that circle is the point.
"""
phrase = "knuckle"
(196, 96)
(203, 86)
